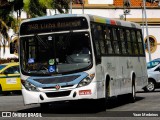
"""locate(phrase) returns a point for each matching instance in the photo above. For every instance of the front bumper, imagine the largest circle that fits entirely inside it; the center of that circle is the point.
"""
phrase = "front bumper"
(87, 92)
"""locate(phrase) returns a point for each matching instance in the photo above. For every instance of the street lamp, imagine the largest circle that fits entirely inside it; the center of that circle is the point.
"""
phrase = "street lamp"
(126, 6)
(148, 43)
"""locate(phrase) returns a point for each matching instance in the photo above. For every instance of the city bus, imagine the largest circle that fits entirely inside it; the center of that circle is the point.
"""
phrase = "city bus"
(71, 57)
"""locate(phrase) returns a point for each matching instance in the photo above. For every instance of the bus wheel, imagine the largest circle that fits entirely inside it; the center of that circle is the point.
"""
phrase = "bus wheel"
(104, 102)
(44, 107)
(132, 96)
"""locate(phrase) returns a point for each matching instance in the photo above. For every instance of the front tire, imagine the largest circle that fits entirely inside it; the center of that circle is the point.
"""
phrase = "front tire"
(103, 103)
(132, 96)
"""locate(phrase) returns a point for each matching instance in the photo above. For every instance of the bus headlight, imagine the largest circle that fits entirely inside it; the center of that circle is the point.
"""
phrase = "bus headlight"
(29, 86)
(86, 81)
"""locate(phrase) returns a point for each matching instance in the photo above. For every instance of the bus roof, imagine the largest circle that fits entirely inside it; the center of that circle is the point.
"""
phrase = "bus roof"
(93, 18)
(111, 21)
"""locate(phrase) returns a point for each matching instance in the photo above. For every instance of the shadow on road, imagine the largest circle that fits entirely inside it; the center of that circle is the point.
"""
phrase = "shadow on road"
(10, 93)
(120, 101)
(80, 108)
(156, 90)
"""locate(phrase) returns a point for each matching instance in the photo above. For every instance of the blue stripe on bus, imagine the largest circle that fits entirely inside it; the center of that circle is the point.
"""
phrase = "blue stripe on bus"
(108, 21)
(76, 81)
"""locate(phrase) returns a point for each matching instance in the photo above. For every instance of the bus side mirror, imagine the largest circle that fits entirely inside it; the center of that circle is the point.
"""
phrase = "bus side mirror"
(12, 48)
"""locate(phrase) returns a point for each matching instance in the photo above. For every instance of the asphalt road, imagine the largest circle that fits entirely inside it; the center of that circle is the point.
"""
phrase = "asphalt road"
(147, 106)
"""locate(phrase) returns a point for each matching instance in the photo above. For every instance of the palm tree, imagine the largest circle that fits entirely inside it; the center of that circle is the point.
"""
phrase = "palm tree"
(36, 8)
(5, 22)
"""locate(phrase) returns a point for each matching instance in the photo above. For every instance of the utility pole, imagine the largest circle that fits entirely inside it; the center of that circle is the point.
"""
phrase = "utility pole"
(142, 20)
(148, 42)
(82, 6)
(71, 6)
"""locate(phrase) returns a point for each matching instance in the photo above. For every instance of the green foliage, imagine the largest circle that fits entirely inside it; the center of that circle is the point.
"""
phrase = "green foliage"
(37, 8)
(60, 4)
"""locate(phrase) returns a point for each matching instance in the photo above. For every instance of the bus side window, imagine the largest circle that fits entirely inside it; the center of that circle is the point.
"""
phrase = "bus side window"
(96, 42)
(123, 43)
(107, 37)
(134, 40)
(101, 39)
(140, 43)
(115, 41)
(129, 44)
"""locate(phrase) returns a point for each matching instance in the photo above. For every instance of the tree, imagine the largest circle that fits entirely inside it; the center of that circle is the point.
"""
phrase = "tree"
(5, 21)
(36, 8)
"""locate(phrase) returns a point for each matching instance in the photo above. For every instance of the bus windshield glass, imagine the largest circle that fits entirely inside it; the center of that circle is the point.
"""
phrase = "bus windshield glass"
(55, 53)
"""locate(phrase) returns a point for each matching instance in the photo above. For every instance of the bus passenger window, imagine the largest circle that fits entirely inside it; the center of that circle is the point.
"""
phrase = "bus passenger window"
(108, 46)
(95, 37)
(99, 37)
(129, 49)
(115, 41)
(122, 41)
(140, 43)
(135, 45)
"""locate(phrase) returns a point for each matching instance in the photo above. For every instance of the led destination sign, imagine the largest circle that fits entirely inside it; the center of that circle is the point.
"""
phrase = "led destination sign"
(53, 25)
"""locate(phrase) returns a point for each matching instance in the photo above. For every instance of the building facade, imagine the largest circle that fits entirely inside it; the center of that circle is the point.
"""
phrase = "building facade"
(134, 12)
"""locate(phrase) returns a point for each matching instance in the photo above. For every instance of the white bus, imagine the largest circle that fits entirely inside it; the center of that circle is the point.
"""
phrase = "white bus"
(73, 57)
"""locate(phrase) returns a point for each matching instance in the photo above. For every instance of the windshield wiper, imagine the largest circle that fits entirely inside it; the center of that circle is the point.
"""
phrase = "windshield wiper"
(41, 41)
(69, 36)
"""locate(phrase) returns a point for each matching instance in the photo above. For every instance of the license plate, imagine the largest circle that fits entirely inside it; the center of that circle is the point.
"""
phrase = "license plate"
(85, 92)
(11, 81)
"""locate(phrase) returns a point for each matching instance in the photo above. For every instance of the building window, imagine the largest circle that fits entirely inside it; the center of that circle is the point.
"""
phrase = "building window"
(153, 44)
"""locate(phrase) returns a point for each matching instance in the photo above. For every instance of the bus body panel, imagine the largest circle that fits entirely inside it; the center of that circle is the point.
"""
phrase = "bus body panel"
(122, 83)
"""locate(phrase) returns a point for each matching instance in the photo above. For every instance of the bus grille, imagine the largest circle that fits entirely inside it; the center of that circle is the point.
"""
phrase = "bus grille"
(55, 87)
(58, 94)
(56, 80)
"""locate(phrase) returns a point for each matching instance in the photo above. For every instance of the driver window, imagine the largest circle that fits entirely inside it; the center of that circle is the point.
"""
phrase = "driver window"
(16, 69)
(12, 70)
(9, 71)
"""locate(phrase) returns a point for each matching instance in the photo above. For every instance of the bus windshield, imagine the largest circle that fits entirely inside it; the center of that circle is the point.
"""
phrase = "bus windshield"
(55, 53)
